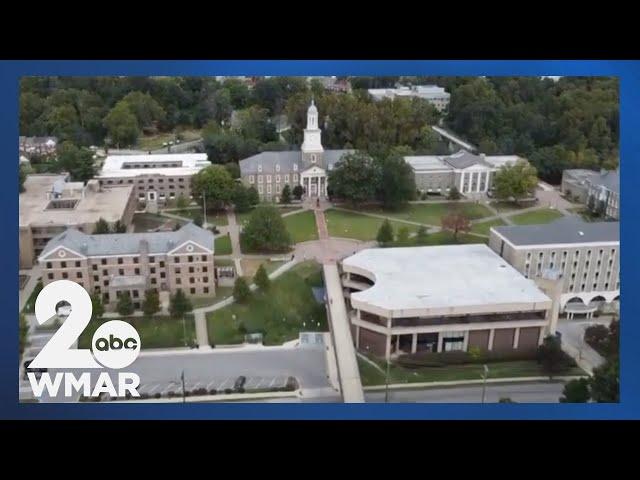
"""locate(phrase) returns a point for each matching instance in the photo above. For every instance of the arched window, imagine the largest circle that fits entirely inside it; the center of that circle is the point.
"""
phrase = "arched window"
(313, 158)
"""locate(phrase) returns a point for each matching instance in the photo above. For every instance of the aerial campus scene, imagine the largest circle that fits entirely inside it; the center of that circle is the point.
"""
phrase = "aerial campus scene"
(329, 239)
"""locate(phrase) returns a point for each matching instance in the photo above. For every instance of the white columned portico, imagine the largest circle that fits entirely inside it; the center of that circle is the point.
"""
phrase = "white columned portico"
(461, 189)
(478, 181)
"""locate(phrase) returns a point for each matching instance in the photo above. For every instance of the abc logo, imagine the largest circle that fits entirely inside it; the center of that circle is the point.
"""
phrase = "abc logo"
(116, 344)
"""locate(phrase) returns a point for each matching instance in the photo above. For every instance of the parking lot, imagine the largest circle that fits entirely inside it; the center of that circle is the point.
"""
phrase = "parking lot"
(218, 384)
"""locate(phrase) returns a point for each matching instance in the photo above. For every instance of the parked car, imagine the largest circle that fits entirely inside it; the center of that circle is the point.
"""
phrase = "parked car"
(240, 381)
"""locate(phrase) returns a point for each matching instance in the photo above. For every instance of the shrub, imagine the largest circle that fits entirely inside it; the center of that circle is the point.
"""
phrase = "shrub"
(157, 395)
(213, 391)
(596, 336)
(228, 391)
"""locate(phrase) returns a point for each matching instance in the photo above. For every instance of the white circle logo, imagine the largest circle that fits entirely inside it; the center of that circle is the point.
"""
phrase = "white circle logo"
(116, 344)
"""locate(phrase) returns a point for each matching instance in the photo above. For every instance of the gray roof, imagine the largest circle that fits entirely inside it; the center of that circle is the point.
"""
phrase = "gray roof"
(286, 160)
(564, 230)
(462, 159)
(129, 243)
(608, 179)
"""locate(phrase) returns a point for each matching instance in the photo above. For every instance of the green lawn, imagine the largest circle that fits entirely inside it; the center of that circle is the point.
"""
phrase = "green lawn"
(155, 332)
(302, 226)
(431, 213)
(506, 207)
(484, 227)
(222, 245)
(441, 238)
(543, 215)
(215, 218)
(154, 142)
(288, 308)
(347, 224)
(397, 375)
(242, 217)
(206, 300)
(143, 222)
(30, 304)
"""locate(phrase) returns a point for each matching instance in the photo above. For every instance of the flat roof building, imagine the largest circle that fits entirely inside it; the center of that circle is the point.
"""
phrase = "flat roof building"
(586, 255)
(442, 298)
(437, 96)
(155, 178)
(600, 191)
(51, 203)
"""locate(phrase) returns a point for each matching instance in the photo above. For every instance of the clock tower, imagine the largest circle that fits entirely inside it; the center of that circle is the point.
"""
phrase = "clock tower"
(312, 144)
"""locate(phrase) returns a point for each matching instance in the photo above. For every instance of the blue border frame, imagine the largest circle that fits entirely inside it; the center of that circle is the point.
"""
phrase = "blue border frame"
(11, 71)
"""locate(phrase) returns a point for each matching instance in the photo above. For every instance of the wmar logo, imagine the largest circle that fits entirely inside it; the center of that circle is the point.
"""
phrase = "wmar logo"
(115, 345)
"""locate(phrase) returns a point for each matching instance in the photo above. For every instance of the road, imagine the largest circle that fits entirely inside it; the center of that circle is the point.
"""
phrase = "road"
(541, 392)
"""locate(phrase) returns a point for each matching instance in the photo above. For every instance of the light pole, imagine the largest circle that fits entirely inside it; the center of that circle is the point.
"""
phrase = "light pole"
(484, 383)
(386, 383)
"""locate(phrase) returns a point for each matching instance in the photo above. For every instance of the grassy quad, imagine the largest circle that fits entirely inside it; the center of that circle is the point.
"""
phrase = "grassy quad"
(302, 226)
(155, 332)
(440, 238)
(222, 245)
(288, 308)
(483, 228)
(213, 218)
(431, 213)
(399, 375)
(535, 217)
(346, 224)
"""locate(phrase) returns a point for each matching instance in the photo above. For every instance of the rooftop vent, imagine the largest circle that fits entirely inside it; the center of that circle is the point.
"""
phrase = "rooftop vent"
(581, 233)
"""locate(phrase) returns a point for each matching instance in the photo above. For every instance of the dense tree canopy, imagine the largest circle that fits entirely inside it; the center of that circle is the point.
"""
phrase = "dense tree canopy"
(354, 178)
(217, 185)
(265, 231)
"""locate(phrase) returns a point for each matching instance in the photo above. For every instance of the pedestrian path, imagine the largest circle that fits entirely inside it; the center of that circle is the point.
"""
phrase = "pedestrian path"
(234, 234)
(321, 224)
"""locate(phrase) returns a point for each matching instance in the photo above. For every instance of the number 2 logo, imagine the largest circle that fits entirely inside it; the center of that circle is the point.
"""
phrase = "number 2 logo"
(57, 353)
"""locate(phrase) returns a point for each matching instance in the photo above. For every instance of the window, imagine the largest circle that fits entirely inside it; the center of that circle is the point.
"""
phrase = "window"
(106, 283)
(193, 291)
(259, 170)
(251, 179)
(79, 275)
(259, 179)
(286, 178)
(205, 290)
(120, 261)
(161, 264)
(191, 269)
(153, 281)
(190, 258)
(135, 294)
(48, 264)
(121, 272)
(136, 260)
(313, 158)
(162, 275)
(104, 261)
(277, 167)
(192, 280)
(277, 178)
(268, 178)
(177, 270)
(105, 272)
(204, 258)
(63, 264)
(65, 275)
(205, 279)
(96, 278)
(295, 177)
(50, 276)
(152, 269)
(176, 260)
(137, 271)
(268, 188)
(260, 189)
(95, 267)
(204, 269)
(295, 168)
(178, 281)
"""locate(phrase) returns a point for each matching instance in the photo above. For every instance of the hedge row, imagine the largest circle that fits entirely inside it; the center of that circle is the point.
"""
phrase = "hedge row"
(434, 359)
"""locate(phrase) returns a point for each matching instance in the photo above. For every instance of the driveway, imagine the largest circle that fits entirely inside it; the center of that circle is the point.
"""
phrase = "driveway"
(573, 342)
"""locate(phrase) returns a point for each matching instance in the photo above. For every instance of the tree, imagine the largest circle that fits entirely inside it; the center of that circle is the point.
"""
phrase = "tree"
(454, 193)
(576, 391)
(354, 178)
(101, 227)
(285, 197)
(265, 231)
(241, 291)
(22, 176)
(261, 279)
(122, 126)
(144, 107)
(181, 201)
(254, 122)
(240, 198)
(385, 233)
(77, 161)
(151, 303)
(551, 357)
(24, 330)
(233, 168)
(179, 304)
(515, 181)
(252, 196)
(97, 308)
(298, 191)
(505, 400)
(396, 182)
(403, 236)
(197, 219)
(119, 227)
(125, 305)
(421, 235)
(216, 183)
(455, 222)
(605, 382)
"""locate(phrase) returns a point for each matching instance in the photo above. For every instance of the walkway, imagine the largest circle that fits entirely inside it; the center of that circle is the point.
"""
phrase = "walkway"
(573, 343)
(348, 372)
(23, 295)
(321, 224)
(234, 233)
